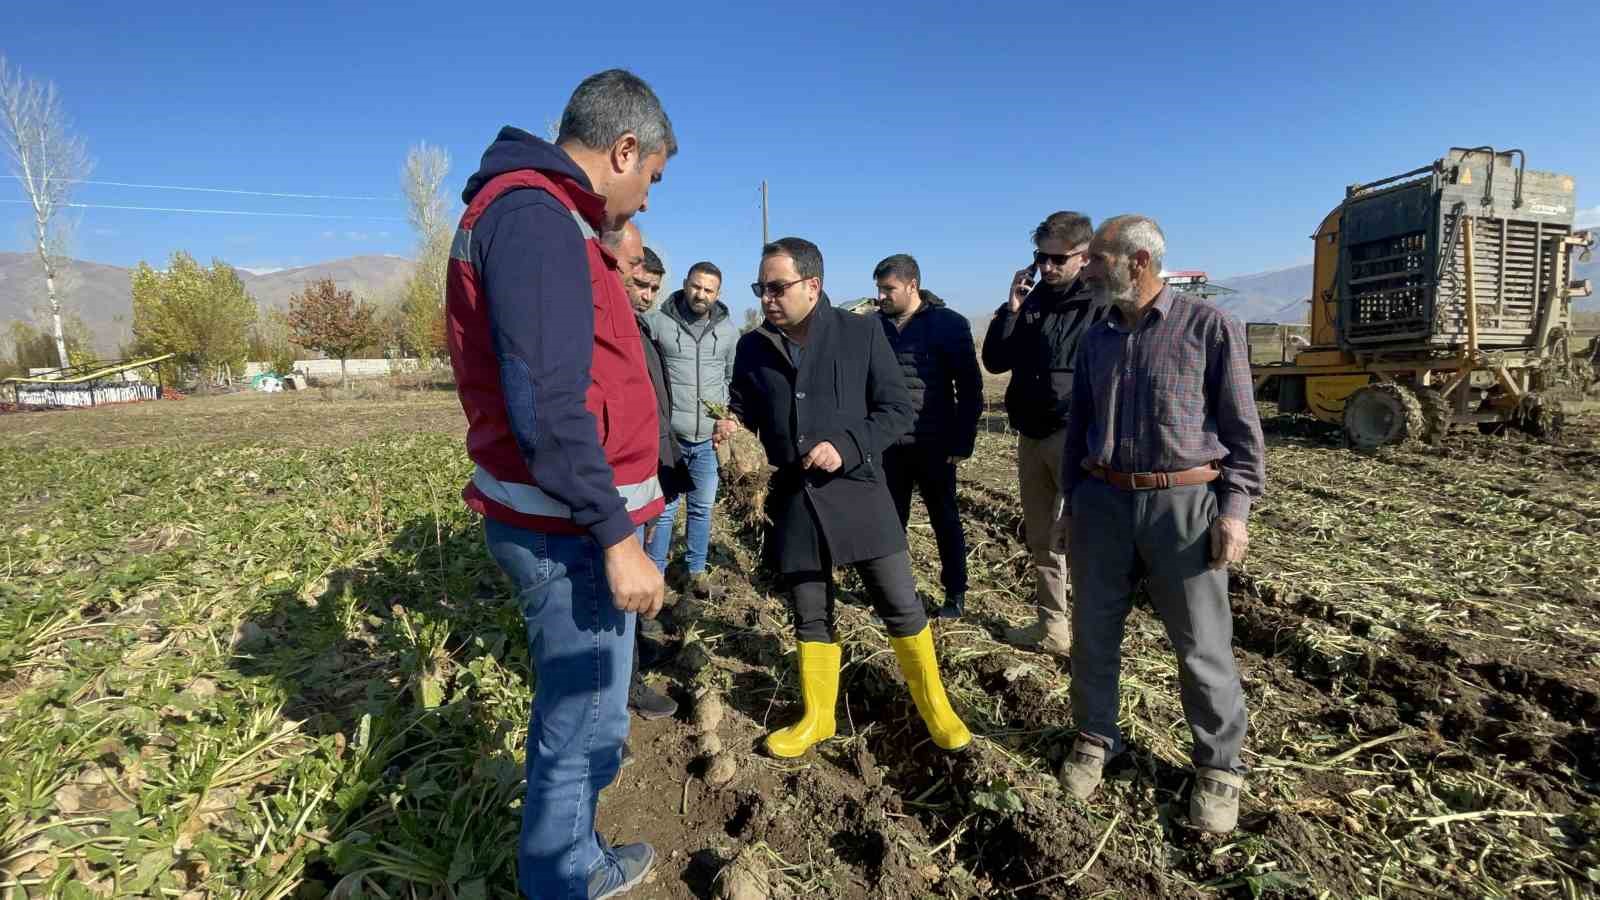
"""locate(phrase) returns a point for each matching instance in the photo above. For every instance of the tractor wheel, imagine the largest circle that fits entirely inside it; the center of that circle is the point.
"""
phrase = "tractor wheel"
(1435, 414)
(1382, 414)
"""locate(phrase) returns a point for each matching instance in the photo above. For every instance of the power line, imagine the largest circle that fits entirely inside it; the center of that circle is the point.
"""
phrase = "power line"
(205, 190)
(220, 212)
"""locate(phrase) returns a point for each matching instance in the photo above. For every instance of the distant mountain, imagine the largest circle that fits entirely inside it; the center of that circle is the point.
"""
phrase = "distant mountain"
(103, 295)
(1276, 296)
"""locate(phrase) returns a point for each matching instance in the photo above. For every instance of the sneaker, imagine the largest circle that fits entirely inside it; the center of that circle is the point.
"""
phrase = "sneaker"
(1033, 637)
(647, 703)
(622, 869)
(1214, 802)
(953, 606)
(1084, 767)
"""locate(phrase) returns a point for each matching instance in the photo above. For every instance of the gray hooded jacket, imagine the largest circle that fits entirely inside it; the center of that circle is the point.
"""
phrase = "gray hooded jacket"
(698, 356)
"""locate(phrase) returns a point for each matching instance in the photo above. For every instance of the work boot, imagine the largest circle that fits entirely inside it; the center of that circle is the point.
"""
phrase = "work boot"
(1214, 802)
(648, 703)
(621, 870)
(1084, 767)
(920, 666)
(1035, 637)
(819, 688)
(954, 605)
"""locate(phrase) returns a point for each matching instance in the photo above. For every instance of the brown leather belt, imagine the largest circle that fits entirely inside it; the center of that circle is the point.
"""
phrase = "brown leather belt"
(1156, 481)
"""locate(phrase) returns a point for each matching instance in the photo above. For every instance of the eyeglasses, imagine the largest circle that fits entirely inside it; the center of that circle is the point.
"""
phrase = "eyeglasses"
(1056, 259)
(773, 289)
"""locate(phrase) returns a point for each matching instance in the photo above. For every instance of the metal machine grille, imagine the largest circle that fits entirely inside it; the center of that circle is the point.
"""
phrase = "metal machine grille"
(1389, 286)
(1513, 264)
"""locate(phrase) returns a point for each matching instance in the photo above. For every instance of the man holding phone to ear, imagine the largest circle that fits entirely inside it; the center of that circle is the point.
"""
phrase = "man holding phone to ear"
(1034, 336)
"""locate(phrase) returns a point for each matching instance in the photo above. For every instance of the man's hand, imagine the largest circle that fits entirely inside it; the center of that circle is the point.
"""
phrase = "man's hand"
(723, 430)
(636, 584)
(1061, 532)
(823, 456)
(1021, 284)
(1229, 538)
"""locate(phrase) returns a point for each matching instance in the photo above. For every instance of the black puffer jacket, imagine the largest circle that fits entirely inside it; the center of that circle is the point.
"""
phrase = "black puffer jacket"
(940, 363)
(1038, 351)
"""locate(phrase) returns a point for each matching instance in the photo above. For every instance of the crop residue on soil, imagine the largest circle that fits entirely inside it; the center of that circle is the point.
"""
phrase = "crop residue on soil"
(275, 660)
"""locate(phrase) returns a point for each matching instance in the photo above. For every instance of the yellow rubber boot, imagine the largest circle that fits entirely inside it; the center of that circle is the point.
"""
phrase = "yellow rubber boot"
(921, 668)
(819, 688)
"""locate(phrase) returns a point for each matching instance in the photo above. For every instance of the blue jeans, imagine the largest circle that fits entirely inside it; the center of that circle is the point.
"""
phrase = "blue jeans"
(581, 648)
(702, 462)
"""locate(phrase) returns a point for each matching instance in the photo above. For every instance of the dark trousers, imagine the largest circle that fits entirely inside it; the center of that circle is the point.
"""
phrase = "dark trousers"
(890, 586)
(931, 473)
(1163, 537)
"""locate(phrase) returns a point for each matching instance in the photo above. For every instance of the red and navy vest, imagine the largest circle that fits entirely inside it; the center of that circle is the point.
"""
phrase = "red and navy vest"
(620, 396)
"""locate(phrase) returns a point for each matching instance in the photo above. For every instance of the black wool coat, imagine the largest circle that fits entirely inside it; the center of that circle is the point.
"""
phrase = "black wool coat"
(848, 391)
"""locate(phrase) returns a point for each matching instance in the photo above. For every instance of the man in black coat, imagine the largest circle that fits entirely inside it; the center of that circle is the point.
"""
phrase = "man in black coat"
(822, 391)
(1034, 336)
(934, 346)
(627, 244)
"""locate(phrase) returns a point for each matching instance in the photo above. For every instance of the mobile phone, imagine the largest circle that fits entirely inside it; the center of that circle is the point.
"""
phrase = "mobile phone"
(1032, 278)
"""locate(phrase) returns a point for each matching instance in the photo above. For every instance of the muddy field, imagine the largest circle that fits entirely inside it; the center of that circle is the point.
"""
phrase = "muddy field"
(1418, 631)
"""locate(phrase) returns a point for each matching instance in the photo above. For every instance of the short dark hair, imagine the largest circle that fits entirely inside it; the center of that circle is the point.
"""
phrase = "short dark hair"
(807, 258)
(652, 263)
(901, 265)
(706, 267)
(1072, 227)
(608, 105)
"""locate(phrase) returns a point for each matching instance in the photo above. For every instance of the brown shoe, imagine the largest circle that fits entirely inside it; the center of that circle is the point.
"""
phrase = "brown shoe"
(1034, 637)
(1214, 802)
(1084, 768)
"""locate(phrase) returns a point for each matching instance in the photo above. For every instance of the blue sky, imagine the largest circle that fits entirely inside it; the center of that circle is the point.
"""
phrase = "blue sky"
(944, 130)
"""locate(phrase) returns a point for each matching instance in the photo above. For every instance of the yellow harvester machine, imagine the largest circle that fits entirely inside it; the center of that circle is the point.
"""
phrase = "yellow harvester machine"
(1441, 297)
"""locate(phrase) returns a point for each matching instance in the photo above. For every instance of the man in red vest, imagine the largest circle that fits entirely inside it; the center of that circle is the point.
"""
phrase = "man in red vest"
(561, 424)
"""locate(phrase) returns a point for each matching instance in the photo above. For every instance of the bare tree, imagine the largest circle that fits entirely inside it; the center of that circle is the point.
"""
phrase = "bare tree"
(422, 304)
(49, 161)
(423, 179)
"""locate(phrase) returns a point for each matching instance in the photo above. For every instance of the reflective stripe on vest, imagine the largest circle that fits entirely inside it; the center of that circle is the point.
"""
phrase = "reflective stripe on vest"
(531, 500)
(461, 245)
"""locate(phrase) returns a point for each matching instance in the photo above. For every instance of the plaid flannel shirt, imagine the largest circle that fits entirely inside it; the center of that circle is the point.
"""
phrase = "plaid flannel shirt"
(1172, 392)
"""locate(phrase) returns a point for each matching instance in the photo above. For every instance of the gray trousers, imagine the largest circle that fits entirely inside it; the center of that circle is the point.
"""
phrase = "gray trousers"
(1162, 536)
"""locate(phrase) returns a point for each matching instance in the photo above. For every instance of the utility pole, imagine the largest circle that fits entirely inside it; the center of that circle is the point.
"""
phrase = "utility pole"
(764, 238)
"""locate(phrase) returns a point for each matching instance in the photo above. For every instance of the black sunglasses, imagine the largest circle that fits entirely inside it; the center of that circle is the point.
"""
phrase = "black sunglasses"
(1058, 259)
(772, 288)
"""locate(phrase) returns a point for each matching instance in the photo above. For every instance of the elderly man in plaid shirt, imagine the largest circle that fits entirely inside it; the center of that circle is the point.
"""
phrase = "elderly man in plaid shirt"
(1163, 456)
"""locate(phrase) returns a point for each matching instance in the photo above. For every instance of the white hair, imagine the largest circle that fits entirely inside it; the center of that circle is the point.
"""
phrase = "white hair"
(1130, 234)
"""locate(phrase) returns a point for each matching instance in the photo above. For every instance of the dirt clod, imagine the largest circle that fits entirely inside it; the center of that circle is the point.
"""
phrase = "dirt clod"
(721, 770)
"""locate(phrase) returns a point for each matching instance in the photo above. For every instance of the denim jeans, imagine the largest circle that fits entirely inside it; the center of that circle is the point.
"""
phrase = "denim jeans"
(581, 648)
(702, 462)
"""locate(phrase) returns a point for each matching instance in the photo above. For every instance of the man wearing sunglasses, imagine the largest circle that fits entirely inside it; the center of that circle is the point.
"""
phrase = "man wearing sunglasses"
(1034, 336)
(822, 390)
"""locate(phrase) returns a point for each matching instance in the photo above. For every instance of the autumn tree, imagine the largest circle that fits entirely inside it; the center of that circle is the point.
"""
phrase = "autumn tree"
(201, 314)
(421, 308)
(48, 161)
(270, 344)
(332, 322)
(25, 346)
